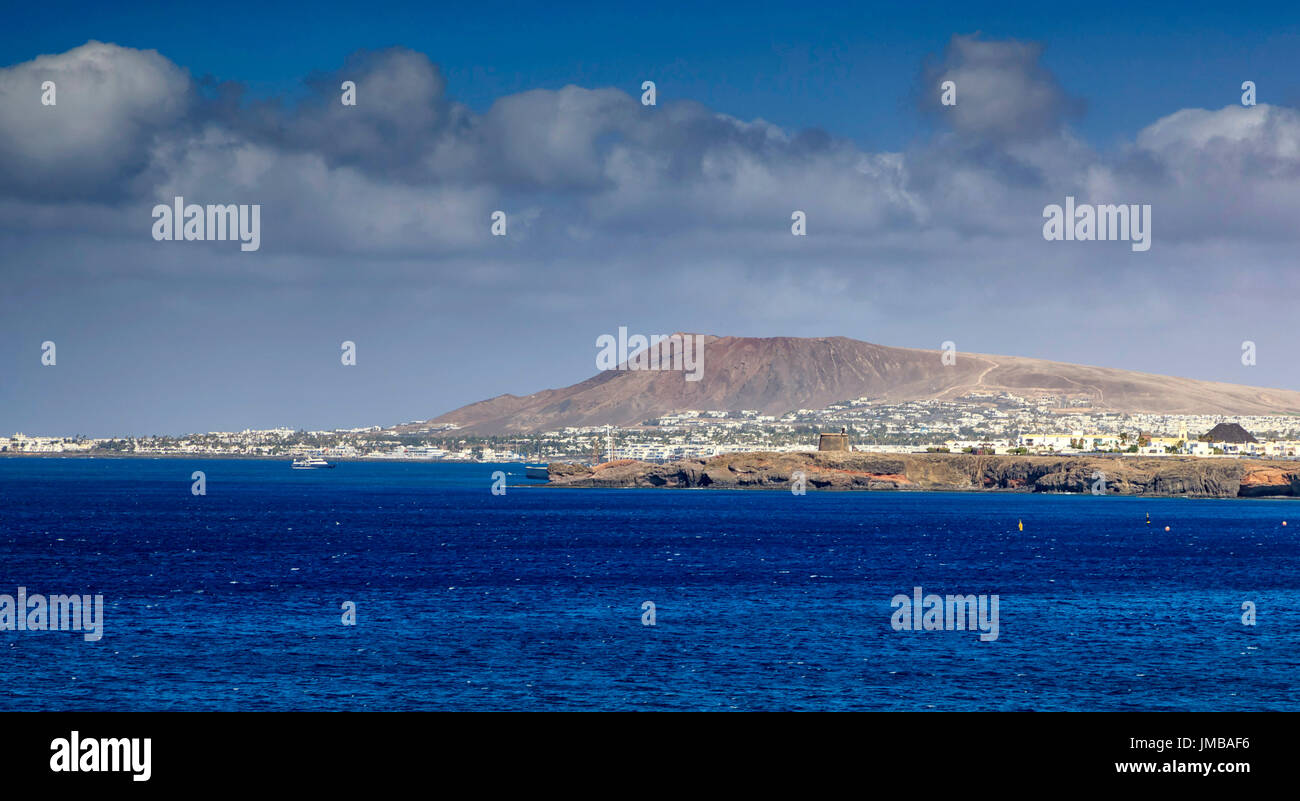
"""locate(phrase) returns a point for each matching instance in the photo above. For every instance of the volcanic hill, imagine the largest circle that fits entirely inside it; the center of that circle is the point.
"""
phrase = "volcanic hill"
(780, 374)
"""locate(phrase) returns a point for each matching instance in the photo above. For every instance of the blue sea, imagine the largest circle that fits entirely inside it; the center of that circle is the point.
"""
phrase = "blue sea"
(532, 600)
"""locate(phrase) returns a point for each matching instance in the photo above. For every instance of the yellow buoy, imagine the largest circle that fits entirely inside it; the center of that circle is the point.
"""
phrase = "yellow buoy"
(1021, 524)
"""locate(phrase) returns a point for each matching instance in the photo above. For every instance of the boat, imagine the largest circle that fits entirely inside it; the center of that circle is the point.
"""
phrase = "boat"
(310, 463)
(538, 471)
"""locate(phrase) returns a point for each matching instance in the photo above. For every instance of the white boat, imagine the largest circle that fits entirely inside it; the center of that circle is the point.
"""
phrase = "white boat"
(538, 471)
(310, 463)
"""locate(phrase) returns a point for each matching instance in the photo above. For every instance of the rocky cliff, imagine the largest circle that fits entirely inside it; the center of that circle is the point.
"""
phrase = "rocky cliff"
(1213, 478)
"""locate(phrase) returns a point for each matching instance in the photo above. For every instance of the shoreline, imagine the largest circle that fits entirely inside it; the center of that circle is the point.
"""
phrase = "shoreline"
(286, 457)
(843, 471)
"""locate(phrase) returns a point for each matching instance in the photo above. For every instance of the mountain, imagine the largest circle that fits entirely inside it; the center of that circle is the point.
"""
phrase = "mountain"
(780, 374)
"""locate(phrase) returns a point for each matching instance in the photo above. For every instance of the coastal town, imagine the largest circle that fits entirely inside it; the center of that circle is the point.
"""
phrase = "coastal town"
(981, 423)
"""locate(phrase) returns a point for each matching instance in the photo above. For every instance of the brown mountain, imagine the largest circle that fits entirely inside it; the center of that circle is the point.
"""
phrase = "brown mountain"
(779, 374)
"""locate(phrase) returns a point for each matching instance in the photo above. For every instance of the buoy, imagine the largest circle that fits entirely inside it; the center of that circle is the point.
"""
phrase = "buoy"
(1021, 524)
(1284, 522)
(1148, 518)
(1166, 528)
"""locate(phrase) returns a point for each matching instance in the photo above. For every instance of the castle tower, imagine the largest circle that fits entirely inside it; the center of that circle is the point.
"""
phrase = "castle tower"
(834, 442)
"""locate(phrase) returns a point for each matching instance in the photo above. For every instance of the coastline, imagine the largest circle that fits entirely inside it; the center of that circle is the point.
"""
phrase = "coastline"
(1167, 476)
(284, 458)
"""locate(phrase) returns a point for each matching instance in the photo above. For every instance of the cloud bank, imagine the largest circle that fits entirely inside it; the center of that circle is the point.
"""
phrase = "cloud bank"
(672, 217)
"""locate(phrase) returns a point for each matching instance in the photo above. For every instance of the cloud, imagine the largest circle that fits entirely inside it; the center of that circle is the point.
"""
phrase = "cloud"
(1004, 93)
(401, 121)
(410, 171)
(113, 103)
(1226, 174)
(674, 217)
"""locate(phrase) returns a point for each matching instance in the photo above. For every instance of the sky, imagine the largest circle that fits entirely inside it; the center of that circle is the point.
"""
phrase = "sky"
(924, 221)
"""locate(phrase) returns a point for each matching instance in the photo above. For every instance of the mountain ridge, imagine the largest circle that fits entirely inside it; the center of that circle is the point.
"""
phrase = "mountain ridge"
(776, 375)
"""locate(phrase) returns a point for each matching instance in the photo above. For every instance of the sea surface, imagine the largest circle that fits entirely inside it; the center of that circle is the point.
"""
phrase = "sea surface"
(532, 600)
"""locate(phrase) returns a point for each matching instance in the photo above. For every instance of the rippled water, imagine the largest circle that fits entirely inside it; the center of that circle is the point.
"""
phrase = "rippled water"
(532, 600)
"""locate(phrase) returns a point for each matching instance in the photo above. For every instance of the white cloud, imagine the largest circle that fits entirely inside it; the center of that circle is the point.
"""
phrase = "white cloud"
(111, 104)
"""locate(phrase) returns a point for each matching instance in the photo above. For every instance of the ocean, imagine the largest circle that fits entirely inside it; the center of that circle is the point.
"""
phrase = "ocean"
(533, 600)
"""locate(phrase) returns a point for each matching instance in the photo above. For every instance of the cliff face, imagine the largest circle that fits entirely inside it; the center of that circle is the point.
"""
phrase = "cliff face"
(1214, 478)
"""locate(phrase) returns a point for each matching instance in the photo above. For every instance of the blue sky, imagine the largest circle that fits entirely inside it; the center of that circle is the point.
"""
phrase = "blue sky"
(924, 227)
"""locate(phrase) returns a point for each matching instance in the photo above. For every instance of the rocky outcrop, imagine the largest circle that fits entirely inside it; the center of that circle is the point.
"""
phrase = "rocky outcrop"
(1268, 480)
(1115, 475)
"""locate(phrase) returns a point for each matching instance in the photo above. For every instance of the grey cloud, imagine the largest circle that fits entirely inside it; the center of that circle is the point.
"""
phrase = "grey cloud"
(1227, 174)
(1004, 93)
(112, 105)
(409, 172)
(402, 116)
